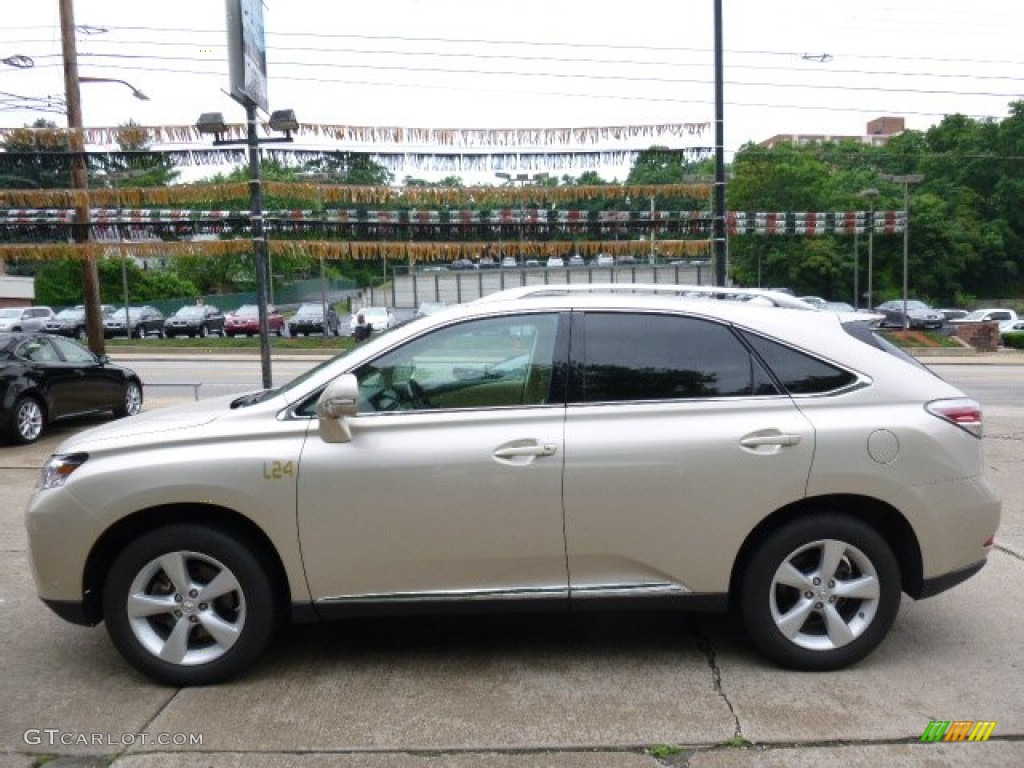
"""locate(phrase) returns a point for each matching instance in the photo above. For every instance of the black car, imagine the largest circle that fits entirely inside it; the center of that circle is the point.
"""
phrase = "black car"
(70, 322)
(918, 315)
(309, 318)
(44, 378)
(144, 320)
(195, 320)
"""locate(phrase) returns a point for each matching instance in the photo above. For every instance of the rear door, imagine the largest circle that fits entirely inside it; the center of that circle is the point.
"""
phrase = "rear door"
(677, 443)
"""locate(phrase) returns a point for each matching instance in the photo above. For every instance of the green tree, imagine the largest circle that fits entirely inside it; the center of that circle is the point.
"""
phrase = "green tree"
(35, 156)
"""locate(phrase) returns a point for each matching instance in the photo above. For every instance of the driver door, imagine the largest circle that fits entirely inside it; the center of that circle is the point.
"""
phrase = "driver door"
(451, 485)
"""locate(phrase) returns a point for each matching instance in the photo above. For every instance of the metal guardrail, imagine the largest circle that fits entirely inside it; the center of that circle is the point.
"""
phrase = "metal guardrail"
(195, 386)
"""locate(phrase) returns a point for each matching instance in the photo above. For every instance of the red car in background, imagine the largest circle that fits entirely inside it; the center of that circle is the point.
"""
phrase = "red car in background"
(246, 321)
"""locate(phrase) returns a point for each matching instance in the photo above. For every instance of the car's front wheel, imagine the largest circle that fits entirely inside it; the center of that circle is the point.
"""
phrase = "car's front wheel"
(189, 605)
(821, 592)
(29, 420)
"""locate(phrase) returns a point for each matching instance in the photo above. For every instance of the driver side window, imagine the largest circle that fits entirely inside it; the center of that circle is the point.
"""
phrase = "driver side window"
(488, 363)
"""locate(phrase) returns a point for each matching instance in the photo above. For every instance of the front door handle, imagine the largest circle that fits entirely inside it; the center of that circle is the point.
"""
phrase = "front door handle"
(533, 449)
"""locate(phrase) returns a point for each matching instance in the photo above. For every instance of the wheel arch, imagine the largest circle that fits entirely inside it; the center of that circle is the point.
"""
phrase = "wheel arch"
(115, 538)
(885, 519)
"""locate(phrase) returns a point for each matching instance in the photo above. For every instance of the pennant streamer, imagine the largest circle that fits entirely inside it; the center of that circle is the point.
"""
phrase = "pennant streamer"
(336, 194)
(359, 250)
(455, 138)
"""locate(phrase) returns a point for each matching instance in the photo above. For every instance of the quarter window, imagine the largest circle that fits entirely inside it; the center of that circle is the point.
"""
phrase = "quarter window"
(630, 357)
(493, 362)
(797, 371)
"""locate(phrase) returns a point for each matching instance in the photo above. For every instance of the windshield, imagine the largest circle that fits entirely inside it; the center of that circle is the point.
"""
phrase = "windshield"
(258, 397)
(119, 313)
(310, 309)
(915, 305)
(247, 310)
(189, 312)
(70, 314)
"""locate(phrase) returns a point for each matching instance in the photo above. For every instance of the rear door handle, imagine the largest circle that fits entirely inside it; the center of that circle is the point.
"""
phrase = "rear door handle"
(757, 441)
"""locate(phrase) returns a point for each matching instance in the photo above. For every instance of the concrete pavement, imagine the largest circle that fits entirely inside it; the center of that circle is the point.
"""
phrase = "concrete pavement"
(609, 691)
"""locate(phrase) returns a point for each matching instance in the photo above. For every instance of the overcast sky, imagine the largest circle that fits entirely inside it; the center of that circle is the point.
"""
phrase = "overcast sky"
(809, 66)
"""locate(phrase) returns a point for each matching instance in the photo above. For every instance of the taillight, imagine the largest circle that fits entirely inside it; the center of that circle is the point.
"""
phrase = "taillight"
(963, 412)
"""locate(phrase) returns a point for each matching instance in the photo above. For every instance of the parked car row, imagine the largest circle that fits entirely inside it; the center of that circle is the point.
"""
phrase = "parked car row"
(553, 262)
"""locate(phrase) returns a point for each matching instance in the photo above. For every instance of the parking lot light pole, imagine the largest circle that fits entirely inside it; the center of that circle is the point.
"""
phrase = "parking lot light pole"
(870, 193)
(906, 180)
(281, 120)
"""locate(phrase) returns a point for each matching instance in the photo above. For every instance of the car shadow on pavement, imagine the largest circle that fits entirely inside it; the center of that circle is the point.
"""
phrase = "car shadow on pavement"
(633, 634)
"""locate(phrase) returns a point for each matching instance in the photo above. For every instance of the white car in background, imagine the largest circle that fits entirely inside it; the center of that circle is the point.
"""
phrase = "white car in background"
(379, 318)
(1005, 317)
(24, 318)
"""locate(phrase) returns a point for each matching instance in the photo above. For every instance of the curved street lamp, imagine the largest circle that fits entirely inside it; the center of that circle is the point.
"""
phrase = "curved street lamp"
(135, 91)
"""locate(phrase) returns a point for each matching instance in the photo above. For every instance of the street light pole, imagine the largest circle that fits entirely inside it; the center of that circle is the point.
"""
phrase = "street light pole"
(652, 231)
(906, 180)
(871, 194)
(281, 120)
(259, 241)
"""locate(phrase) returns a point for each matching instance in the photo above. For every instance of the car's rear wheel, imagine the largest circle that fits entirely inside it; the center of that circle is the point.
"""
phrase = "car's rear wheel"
(821, 592)
(131, 401)
(189, 605)
(29, 420)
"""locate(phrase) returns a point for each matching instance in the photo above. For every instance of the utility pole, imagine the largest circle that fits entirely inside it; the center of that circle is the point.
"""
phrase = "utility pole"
(719, 195)
(79, 179)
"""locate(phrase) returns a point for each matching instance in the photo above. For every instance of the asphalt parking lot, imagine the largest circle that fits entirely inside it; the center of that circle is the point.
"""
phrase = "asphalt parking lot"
(630, 690)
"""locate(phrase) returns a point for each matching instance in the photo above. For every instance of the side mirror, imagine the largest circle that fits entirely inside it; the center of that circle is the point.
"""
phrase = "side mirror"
(339, 400)
(102, 359)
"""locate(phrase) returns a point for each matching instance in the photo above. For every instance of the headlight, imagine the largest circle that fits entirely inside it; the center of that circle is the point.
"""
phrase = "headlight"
(58, 469)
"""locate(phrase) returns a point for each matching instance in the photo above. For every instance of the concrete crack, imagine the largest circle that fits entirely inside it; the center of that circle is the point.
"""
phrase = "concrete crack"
(705, 647)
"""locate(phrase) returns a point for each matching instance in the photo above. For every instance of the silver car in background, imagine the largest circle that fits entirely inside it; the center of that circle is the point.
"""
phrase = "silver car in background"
(578, 449)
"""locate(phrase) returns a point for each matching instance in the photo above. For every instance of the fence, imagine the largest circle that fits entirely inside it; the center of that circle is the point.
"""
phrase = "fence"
(284, 296)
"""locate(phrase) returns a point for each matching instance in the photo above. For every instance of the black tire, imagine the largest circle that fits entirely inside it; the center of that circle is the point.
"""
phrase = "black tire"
(131, 400)
(836, 598)
(208, 641)
(28, 420)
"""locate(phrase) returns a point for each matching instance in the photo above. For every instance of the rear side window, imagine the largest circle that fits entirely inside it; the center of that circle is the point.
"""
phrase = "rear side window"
(798, 372)
(630, 357)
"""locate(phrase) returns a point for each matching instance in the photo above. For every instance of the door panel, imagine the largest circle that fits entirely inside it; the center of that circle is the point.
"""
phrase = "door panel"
(665, 494)
(451, 484)
(420, 504)
(677, 443)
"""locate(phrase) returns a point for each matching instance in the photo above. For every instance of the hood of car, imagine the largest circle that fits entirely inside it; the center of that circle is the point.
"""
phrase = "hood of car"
(129, 431)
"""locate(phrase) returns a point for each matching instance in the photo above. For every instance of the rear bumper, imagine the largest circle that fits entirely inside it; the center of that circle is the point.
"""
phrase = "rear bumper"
(937, 584)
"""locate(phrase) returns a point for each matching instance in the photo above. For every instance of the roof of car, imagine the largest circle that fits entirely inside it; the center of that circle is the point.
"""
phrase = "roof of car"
(757, 295)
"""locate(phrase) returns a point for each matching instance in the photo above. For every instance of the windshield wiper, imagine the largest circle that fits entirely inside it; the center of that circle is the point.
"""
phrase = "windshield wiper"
(250, 399)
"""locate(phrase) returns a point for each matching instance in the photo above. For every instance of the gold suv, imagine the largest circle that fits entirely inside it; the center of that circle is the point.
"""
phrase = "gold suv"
(539, 451)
